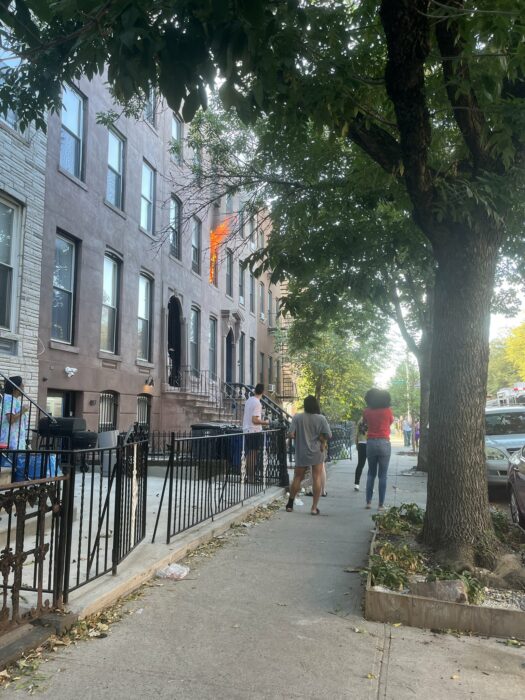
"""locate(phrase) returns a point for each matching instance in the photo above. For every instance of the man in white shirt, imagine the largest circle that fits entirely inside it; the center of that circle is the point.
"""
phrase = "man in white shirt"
(252, 424)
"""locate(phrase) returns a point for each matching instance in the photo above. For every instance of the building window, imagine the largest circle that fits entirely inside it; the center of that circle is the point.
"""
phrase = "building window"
(175, 227)
(241, 223)
(261, 300)
(63, 290)
(242, 350)
(9, 218)
(72, 132)
(150, 106)
(252, 361)
(229, 273)
(107, 411)
(115, 177)
(8, 60)
(260, 237)
(270, 309)
(144, 318)
(242, 270)
(195, 323)
(251, 232)
(261, 367)
(278, 377)
(147, 198)
(143, 411)
(270, 370)
(197, 165)
(196, 228)
(252, 293)
(212, 359)
(176, 139)
(110, 294)
(229, 203)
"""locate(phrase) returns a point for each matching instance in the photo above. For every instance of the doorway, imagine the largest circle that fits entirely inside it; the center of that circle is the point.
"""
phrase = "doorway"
(230, 346)
(60, 404)
(174, 341)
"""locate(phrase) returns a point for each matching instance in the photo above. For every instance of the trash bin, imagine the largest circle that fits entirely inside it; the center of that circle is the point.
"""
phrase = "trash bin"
(234, 446)
(108, 440)
(211, 454)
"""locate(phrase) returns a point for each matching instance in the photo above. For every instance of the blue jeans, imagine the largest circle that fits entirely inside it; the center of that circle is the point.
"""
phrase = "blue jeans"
(378, 453)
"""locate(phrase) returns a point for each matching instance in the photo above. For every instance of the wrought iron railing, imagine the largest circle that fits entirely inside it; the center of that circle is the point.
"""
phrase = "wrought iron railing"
(238, 393)
(207, 475)
(19, 417)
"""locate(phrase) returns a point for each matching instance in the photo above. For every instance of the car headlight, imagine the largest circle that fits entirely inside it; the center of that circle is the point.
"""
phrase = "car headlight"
(492, 453)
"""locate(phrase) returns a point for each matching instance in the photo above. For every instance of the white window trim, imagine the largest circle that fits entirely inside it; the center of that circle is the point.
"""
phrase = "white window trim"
(72, 292)
(16, 255)
(149, 319)
(81, 137)
(122, 140)
(151, 201)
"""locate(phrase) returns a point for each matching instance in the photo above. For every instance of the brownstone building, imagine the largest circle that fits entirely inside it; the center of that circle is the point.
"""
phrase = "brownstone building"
(136, 323)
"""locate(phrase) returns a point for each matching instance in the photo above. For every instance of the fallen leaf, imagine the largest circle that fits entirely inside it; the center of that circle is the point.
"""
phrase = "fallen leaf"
(370, 676)
(454, 677)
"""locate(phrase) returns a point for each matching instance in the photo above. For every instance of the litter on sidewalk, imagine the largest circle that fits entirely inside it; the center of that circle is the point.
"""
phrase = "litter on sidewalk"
(174, 572)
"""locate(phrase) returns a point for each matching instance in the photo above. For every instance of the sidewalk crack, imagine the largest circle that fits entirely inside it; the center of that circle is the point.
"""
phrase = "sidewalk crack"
(384, 663)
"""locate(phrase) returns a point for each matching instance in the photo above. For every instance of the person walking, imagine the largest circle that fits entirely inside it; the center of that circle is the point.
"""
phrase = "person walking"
(252, 426)
(407, 431)
(379, 417)
(360, 441)
(311, 432)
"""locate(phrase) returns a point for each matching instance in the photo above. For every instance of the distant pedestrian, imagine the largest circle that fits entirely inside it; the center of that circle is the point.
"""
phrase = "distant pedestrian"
(407, 431)
(311, 432)
(360, 441)
(417, 434)
(379, 417)
(252, 425)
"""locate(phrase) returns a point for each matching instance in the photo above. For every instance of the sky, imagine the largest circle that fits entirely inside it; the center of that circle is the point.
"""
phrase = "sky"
(499, 326)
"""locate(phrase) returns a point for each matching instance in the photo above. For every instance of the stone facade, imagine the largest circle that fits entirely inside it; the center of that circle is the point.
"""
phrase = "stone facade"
(22, 187)
(75, 372)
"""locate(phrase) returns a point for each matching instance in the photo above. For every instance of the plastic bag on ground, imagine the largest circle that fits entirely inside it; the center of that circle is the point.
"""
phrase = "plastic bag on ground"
(175, 572)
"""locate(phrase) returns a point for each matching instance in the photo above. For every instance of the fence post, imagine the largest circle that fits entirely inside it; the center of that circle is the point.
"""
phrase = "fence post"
(171, 465)
(282, 456)
(117, 521)
(67, 522)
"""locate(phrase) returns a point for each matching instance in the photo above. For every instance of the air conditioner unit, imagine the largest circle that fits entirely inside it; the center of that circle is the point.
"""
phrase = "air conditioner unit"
(271, 388)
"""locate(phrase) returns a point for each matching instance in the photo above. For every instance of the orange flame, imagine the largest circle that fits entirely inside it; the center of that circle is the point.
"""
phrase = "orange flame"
(217, 235)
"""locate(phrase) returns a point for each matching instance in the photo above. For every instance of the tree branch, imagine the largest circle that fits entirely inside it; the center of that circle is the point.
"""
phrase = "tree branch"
(467, 113)
(407, 34)
(411, 343)
(376, 143)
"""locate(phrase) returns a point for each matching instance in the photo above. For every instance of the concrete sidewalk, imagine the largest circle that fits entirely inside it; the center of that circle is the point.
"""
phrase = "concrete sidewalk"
(274, 614)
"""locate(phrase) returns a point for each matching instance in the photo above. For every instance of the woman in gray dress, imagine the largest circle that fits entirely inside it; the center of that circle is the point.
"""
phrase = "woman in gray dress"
(311, 432)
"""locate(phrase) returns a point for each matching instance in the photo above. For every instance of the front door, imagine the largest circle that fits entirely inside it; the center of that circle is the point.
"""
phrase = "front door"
(174, 341)
(230, 342)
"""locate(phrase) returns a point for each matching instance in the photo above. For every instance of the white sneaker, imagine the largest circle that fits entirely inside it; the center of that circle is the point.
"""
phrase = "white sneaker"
(356, 487)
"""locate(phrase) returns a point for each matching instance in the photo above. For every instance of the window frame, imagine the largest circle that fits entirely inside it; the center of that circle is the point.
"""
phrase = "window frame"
(13, 266)
(150, 107)
(116, 307)
(149, 202)
(212, 347)
(196, 250)
(149, 308)
(242, 282)
(80, 137)
(176, 250)
(122, 141)
(242, 352)
(262, 301)
(177, 155)
(252, 368)
(261, 367)
(229, 273)
(71, 292)
(195, 312)
(252, 293)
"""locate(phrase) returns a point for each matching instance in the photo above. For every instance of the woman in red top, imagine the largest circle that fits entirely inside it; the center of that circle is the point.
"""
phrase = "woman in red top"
(379, 417)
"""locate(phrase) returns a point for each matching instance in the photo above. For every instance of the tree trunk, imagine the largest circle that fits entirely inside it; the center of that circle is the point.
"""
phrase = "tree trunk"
(424, 363)
(458, 522)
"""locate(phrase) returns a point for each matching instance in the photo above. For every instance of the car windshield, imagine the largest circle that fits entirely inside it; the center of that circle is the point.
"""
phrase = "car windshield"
(504, 423)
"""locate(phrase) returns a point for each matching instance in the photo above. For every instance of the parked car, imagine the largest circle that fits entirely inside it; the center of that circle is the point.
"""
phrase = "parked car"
(497, 463)
(505, 427)
(516, 486)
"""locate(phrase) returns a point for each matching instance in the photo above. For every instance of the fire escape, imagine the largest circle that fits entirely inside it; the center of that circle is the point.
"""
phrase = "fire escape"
(285, 389)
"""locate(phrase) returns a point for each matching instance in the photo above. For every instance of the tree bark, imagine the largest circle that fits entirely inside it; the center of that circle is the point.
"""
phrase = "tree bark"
(424, 364)
(457, 519)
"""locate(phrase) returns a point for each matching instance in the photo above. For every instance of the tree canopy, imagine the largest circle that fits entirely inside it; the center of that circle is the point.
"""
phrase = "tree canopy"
(432, 91)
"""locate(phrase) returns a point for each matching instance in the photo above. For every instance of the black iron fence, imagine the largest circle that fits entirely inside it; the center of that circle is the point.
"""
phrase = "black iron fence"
(73, 517)
(207, 475)
(340, 444)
